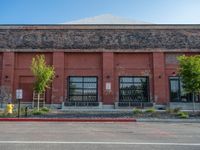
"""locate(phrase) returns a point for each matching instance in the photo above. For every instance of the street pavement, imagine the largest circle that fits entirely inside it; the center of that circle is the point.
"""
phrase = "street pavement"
(99, 136)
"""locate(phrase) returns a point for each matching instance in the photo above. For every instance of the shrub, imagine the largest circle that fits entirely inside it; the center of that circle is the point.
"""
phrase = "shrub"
(150, 110)
(45, 109)
(42, 111)
(137, 111)
(37, 112)
(183, 115)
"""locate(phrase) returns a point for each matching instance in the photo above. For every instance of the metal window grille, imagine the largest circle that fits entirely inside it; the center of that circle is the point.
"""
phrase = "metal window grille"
(134, 89)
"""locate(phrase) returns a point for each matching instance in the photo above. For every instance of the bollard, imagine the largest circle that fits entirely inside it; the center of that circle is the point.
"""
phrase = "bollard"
(26, 111)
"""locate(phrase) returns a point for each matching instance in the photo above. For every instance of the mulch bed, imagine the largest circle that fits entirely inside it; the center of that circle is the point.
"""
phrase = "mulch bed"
(109, 114)
(159, 115)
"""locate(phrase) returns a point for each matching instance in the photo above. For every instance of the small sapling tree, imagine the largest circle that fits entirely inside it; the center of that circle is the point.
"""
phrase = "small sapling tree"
(43, 73)
(189, 71)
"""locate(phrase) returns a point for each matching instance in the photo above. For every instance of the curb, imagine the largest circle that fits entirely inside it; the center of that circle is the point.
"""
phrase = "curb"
(68, 119)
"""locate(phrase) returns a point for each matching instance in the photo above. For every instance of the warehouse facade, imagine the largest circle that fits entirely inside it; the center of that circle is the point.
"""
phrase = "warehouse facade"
(100, 65)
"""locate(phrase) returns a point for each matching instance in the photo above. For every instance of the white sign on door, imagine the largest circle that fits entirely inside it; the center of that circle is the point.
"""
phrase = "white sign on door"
(108, 86)
(19, 94)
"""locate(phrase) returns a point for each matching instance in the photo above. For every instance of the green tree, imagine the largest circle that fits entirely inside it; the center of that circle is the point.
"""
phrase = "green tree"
(189, 71)
(43, 73)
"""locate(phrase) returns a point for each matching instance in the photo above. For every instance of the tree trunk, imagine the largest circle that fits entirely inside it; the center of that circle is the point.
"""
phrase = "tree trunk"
(38, 105)
(193, 98)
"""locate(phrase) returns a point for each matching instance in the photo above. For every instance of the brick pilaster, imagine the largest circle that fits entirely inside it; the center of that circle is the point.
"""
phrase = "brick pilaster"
(159, 78)
(108, 77)
(59, 80)
(8, 70)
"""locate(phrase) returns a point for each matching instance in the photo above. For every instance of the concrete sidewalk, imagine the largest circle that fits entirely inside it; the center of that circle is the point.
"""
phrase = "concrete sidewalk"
(168, 120)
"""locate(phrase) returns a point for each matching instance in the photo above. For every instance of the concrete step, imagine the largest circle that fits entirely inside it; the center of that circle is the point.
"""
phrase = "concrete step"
(108, 106)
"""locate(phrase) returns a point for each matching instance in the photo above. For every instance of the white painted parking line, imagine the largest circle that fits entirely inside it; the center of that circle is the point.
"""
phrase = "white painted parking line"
(98, 143)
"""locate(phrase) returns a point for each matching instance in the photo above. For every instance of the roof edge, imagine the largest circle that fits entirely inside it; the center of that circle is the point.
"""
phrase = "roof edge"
(98, 26)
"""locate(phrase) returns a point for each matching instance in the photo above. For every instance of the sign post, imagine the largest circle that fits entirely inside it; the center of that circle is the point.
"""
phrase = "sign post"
(19, 95)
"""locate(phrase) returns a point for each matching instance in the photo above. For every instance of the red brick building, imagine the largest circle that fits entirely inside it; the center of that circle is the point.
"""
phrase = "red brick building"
(100, 65)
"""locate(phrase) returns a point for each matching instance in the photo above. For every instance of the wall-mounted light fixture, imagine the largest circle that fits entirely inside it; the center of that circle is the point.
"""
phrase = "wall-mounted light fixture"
(108, 77)
(174, 73)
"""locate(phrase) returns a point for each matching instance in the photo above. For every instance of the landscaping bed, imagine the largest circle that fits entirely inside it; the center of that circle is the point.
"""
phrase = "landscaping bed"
(149, 113)
(135, 113)
(165, 114)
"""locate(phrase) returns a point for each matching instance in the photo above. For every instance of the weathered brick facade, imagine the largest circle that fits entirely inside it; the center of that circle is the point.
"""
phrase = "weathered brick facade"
(105, 51)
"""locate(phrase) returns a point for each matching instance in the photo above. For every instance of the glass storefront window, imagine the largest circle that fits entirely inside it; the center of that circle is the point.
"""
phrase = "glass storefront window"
(177, 93)
(133, 89)
(83, 89)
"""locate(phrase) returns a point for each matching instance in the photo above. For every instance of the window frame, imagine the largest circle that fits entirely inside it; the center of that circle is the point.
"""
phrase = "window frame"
(82, 89)
(179, 92)
(147, 90)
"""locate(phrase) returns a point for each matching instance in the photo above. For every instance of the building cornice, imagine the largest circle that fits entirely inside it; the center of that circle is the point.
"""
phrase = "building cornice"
(107, 37)
(98, 26)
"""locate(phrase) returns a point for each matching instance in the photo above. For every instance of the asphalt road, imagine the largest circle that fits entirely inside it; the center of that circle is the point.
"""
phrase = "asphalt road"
(99, 136)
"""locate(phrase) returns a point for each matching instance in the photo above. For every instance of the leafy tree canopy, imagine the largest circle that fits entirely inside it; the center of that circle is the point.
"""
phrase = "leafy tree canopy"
(43, 73)
(189, 70)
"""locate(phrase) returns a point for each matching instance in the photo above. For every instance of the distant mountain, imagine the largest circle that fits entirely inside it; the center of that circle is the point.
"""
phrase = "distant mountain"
(106, 19)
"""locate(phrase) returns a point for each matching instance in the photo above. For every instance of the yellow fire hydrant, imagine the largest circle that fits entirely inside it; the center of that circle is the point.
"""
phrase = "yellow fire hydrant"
(9, 108)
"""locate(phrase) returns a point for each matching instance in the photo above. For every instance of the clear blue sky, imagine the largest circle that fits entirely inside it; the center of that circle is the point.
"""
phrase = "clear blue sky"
(59, 11)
